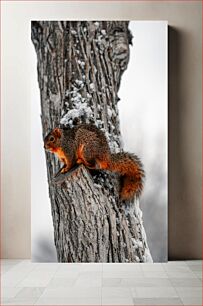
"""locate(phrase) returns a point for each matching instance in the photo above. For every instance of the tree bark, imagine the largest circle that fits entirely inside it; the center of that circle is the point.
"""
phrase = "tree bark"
(80, 65)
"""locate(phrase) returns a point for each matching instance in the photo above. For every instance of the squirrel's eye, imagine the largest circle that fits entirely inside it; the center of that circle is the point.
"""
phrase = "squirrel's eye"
(51, 138)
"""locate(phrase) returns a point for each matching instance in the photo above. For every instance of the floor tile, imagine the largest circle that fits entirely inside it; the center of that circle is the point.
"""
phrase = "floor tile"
(122, 267)
(61, 282)
(14, 276)
(145, 282)
(196, 268)
(72, 292)
(116, 292)
(122, 274)
(89, 282)
(185, 282)
(69, 301)
(112, 282)
(9, 292)
(117, 301)
(32, 292)
(66, 274)
(44, 267)
(153, 292)
(90, 274)
(37, 279)
(179, 274)
(92, 267)
(21, 301)
(6, 268)
(175, 262)
(157, 301)
(193, 262)
(80, 267)
(198, 274)
(189, 291)
(177, 268)
(155, 274)
(70, 266)
(192, 301)
(4, 301)
(152, 267)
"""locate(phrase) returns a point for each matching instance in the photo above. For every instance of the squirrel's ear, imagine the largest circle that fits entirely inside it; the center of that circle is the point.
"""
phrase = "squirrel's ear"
(57, 132)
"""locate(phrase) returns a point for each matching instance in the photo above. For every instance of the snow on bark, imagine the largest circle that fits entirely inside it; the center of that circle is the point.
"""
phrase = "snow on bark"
(80, 65)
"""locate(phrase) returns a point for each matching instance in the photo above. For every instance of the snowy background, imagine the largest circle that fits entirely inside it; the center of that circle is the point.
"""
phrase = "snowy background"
(143, 120)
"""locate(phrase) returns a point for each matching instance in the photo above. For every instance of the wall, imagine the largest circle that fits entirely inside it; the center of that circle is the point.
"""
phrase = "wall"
(185, 58)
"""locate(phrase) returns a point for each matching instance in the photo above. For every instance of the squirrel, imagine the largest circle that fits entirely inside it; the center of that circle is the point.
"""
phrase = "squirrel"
(86, 144)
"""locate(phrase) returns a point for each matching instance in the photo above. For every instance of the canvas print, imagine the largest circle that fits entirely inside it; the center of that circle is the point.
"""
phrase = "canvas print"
(99, 141)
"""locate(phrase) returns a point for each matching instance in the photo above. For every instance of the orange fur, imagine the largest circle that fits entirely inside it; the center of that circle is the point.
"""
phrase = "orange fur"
(103, 164)
(60, 153)
(80, 157)
(132, 174)
(93, 151)
(79, 154)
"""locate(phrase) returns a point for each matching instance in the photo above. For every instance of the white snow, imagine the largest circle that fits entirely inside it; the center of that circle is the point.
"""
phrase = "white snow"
(92, 87)
(79, 82)
(80, 109)
(96, 24)
(109, 111)
(137, 243)
(73, 32)
(81, 63)
(103, 32)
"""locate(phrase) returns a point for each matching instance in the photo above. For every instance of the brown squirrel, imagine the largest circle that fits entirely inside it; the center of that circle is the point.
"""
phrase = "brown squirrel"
(86, 144)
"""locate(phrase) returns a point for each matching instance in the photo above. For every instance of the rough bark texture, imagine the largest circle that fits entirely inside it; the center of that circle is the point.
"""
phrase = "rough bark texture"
(80, 65)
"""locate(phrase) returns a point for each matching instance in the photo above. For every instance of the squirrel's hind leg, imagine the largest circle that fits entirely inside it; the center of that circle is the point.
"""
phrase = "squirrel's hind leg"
(87, 158)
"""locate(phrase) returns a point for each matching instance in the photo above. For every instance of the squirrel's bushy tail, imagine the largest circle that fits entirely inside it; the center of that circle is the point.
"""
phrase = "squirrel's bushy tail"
(132, 174)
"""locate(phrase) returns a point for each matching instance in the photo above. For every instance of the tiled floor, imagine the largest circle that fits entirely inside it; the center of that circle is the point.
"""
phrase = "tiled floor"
(172, 283)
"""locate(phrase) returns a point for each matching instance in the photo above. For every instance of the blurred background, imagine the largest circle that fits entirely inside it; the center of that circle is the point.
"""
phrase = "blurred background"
(143, 120)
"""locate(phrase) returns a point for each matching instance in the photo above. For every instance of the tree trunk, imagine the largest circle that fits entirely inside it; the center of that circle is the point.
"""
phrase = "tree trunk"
(80, 65)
